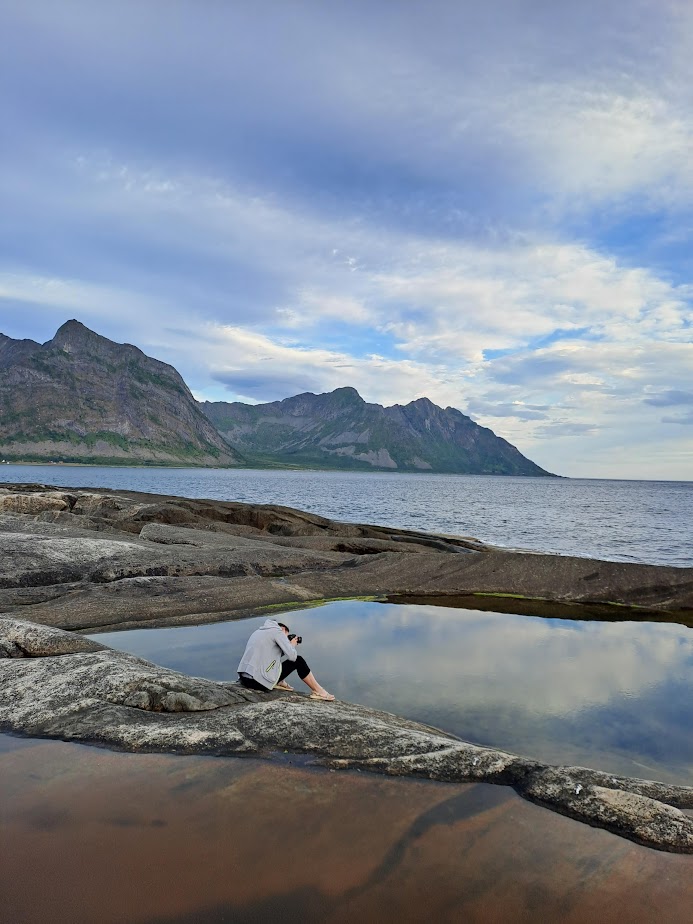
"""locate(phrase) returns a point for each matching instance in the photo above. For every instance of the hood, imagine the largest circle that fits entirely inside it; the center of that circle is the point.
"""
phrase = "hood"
(270, 624)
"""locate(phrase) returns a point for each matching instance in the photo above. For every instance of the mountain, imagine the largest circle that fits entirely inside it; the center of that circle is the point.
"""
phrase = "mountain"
(340, 430)
(83, 398)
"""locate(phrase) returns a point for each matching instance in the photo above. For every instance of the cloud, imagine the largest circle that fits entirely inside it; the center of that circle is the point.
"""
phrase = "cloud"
(481, 299)
(684, 419)
(473, 114)
(430, 311)
(73, 295)
(259, 368)
(313, 306)
(669, 398)
(434, 297)
(601, 145)
(505, 409)
(267, 385)
(489, 208)
(499, 655)
(560, 429)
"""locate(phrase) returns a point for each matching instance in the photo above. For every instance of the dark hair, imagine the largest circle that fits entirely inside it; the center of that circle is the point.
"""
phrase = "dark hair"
(282, 626)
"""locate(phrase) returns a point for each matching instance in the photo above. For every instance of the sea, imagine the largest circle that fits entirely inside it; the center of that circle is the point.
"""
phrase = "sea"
(633, 521)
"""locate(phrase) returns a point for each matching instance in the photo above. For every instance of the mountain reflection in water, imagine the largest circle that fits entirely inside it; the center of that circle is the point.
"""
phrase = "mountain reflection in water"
(612, 695)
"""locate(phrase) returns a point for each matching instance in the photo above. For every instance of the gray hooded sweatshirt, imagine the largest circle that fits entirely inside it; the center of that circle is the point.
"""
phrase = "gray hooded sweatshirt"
(267, 647)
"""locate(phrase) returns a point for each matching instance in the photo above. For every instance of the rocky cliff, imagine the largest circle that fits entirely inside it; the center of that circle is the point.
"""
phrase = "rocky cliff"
(341, 430)
(83, 398)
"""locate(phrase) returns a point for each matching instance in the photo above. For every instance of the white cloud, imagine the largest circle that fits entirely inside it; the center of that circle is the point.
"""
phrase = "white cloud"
(595, 144)
(391, 207)
(75, 295)
(313, 306)
(588, 338)
(257, 367)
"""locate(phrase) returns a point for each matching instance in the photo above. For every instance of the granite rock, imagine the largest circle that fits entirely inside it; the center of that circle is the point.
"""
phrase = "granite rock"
(80, 558)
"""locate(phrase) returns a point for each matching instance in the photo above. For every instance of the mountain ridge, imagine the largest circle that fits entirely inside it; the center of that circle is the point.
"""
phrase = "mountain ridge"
(339, 429)
(80, 397)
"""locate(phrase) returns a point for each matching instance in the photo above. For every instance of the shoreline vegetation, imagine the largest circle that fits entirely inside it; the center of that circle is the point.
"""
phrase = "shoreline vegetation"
(250, 466)
(111, 560)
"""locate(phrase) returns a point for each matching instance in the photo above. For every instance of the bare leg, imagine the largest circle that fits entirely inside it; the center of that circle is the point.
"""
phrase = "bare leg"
(306, 675)
(310, 681)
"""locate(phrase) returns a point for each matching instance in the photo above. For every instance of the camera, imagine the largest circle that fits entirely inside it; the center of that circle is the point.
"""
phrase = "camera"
(293, 636)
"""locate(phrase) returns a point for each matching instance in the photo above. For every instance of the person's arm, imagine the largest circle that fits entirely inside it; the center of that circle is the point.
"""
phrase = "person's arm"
(283, 641)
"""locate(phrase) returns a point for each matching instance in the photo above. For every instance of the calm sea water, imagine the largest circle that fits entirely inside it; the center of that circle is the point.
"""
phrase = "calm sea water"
(611, 695)
(642, 521)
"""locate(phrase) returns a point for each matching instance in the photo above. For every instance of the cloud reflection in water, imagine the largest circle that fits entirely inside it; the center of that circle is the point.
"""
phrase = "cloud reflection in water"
(616, 695)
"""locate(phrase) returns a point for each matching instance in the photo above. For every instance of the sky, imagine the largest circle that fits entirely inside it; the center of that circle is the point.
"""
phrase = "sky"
(486, 203)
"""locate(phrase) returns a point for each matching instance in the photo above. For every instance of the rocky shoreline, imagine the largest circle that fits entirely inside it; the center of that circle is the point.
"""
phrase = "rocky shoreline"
(78, 560)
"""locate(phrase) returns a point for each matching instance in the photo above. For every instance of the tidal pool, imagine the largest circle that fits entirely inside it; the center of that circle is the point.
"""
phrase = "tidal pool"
(91, 835)
(614, 695)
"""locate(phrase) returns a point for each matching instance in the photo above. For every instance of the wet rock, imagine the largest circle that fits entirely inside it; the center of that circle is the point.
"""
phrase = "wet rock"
(40, 688)
(620, 807)
(543, 784)
(456, 763)
(180, 538)
(96, 504)
(39, 560)
(164, 534)
(27, 561)
(162, 520)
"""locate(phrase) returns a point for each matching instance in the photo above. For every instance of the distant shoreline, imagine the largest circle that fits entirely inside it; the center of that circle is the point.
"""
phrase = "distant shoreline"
(273, 468)
(347, 471)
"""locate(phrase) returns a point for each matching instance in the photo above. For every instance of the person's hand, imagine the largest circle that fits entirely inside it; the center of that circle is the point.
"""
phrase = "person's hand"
(294, 641)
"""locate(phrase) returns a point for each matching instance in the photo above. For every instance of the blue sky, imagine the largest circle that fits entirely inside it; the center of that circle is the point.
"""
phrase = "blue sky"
(487, 204)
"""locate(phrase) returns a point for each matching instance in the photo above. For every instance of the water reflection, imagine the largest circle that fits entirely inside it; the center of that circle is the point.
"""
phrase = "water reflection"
(90, 835)
(615, 695)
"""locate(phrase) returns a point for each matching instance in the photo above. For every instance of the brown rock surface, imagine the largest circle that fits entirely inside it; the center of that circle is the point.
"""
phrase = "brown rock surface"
(117, 557)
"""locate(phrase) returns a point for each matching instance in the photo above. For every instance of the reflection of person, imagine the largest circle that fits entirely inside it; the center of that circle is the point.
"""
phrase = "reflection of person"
(270, 656)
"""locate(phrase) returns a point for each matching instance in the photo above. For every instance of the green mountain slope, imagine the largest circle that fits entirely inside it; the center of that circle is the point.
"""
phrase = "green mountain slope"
(83, 398)
(340, 430)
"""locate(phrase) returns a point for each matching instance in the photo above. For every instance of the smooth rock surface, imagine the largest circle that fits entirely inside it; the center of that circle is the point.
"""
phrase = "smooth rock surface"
(126, 558)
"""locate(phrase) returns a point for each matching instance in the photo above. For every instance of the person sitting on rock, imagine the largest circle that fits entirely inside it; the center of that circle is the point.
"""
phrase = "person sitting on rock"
(270, 656)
